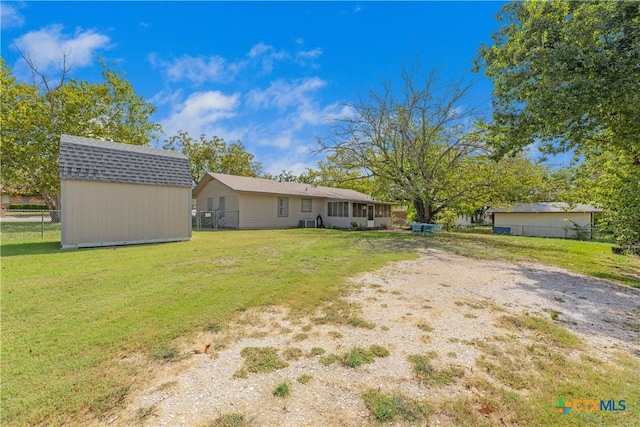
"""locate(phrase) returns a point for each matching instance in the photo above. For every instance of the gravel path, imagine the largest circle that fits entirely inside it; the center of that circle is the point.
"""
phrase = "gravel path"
(433, 303)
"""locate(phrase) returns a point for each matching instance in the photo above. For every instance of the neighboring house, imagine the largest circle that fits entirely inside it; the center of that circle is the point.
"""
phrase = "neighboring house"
(254, 203)
(19, 199)
(119, 194)
(399, 216)
(479, 217)
(545, 219)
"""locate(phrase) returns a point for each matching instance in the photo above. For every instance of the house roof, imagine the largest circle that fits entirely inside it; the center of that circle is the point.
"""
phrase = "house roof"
(93, 160)
(547, 207)
(270, 186)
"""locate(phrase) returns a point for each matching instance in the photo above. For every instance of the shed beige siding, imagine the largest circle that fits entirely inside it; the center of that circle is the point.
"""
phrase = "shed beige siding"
(548, 224)
(104, 213)
(261, 210)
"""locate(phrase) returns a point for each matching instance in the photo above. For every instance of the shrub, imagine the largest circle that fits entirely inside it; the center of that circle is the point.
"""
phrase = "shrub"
(282, 390)
(388, 407)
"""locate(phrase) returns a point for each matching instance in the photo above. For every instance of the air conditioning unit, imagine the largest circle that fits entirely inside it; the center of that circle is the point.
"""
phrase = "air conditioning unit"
(307, 223)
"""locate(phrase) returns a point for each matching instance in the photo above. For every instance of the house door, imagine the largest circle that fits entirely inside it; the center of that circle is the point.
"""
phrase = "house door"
(370, 223)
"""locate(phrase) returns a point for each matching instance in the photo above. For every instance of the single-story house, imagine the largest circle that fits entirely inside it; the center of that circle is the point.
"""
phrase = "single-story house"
(480, 217)
(19, 200)
(550, 219)
(257, 203)
(119, 194)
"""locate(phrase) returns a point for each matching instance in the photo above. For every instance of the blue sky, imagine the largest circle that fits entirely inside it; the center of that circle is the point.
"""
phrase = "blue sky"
(269, 74)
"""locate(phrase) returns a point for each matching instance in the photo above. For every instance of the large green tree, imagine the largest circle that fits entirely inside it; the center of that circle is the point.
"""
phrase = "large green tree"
(566, 77)
(420, 146)
(213, 155)
(34, 115)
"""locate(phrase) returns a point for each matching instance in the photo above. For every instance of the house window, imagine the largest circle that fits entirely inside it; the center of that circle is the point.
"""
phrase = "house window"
(6, 199)
(306, 205)
(25, 200)
(283, 207)
(210, 204)
(221, 207)
(338, 209)
(359, 210)
(383, 211)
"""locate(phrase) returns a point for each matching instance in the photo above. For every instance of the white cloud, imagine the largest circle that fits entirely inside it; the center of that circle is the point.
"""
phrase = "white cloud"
(275, 166)
(310, 54)
(200, 112)
(167, 98)
(48, 46)
(259, 50)
(198, 69)
(214, 68)
(267, 55)
(284, 94)
(299, 114)
(9, 16)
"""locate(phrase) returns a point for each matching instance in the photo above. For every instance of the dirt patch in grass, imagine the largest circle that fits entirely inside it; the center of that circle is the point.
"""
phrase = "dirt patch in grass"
(448, 340)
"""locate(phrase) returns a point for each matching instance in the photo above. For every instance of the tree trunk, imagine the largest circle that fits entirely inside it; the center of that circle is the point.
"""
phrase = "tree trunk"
(53, 204)
(424, 211)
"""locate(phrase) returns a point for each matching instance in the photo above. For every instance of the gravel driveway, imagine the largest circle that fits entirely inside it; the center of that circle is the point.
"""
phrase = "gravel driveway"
(436, 303)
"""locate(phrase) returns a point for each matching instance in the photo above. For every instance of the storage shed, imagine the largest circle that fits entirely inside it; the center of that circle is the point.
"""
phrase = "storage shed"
(121, 194)
(550, 219)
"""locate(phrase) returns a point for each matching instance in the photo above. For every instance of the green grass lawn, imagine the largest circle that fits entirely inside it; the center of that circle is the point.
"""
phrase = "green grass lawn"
(67, 317)
(591, 258)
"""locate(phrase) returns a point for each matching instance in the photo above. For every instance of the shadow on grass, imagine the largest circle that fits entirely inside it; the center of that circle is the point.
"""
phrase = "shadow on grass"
(582, 257)
(587, 305)
(380, 242)
(29, 248)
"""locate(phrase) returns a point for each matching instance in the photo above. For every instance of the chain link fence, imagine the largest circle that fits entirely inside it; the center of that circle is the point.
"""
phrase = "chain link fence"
(29, 224)
(215, 220)
(573, 232)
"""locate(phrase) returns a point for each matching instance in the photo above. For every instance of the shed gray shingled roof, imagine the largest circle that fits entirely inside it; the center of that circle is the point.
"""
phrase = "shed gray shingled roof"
(92, 160)
(270, 186)
(546, 207)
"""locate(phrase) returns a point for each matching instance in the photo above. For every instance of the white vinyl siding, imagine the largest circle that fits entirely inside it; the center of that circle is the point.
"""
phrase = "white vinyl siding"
(254, 211)
(214, 191)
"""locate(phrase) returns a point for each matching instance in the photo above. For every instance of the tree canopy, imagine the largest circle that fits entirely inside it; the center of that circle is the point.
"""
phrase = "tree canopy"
(422, 147)
(566, 77)
(213, 155)
(33, 116)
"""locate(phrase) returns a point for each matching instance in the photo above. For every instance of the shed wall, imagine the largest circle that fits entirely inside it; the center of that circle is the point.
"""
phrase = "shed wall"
(101, 213)
(542, 224)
